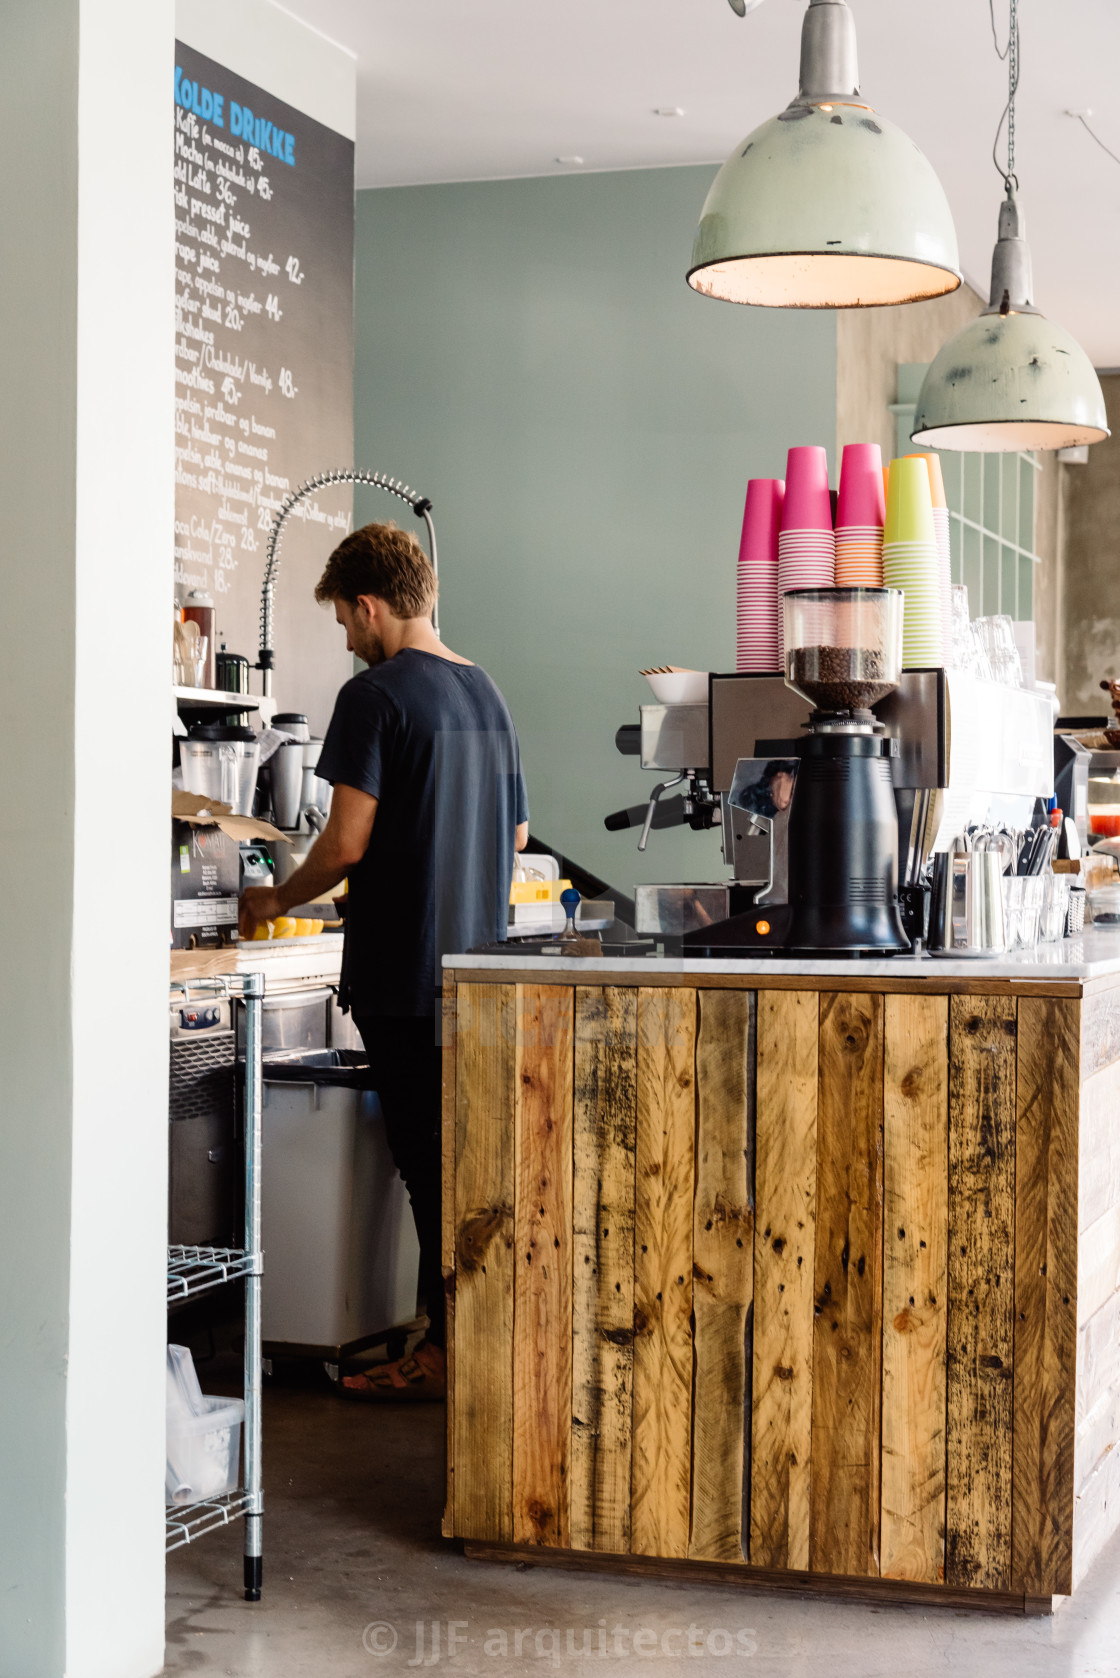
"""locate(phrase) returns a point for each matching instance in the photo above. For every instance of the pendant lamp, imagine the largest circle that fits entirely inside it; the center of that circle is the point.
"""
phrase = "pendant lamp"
(1011, 379)
(827, 205)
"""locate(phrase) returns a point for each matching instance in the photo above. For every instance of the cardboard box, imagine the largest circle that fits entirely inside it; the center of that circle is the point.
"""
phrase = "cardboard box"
(206, 843)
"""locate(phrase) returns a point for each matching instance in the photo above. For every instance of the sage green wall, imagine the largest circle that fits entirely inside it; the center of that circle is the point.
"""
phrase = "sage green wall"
(528, 355)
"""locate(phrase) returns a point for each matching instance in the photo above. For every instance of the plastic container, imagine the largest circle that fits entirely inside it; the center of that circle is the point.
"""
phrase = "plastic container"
(293, 723)
(222, 763)
(843, 646)
(198, 608)
(183, 1391)
(203, 1452)
(1104, 905)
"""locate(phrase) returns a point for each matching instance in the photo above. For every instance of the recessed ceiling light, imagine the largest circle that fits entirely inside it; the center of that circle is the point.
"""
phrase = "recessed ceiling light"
(573, 161)
(668, 111)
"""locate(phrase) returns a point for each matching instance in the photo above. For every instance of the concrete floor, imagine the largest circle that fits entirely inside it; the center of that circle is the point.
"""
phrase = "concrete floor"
(353, 1559)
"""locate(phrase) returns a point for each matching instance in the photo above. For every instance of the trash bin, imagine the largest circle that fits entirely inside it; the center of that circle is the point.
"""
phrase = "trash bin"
(341, 1256)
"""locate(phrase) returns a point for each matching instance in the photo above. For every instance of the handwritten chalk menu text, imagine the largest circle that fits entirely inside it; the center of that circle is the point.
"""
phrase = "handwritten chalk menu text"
(264, 236)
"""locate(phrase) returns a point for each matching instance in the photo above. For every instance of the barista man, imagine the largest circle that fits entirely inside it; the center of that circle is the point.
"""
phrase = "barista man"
(428, 809)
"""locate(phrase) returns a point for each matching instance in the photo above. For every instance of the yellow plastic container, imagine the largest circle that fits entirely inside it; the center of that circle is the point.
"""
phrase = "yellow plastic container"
(537, 891)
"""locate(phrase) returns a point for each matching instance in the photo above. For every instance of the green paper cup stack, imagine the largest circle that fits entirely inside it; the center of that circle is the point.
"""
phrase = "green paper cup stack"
(912, 562)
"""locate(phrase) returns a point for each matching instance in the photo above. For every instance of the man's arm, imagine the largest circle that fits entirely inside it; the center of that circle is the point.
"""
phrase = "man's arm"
(521, 836)
(341, 845)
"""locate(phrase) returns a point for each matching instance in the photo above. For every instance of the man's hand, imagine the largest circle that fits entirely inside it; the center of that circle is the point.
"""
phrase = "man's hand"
(258, 904)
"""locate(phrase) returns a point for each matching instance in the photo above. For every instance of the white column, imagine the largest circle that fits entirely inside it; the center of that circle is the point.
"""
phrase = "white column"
(86, 518)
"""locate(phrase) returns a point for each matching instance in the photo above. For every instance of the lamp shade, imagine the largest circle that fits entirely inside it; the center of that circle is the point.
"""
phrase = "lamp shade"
(826, 205)
(1011, 379)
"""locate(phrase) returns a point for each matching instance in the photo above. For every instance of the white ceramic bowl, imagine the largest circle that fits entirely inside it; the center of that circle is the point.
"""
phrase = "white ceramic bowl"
(682, 687)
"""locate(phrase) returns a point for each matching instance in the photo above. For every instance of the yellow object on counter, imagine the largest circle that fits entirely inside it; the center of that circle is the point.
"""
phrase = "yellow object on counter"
(537, 891)
(289, 926)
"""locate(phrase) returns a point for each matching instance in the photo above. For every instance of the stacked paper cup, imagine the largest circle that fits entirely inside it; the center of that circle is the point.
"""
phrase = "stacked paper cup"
(806, 547)
(911, 562)
(941, 531)
(758, 576)
(860, 516)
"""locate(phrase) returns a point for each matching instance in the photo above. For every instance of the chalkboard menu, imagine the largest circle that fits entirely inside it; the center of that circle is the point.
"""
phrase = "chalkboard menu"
(264, 304)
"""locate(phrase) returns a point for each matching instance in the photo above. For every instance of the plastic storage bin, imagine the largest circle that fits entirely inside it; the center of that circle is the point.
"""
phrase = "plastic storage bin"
(203, 1452)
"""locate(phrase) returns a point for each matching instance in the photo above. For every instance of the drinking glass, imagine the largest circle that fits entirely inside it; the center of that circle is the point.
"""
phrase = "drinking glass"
(1022, 903)
(1055, 908)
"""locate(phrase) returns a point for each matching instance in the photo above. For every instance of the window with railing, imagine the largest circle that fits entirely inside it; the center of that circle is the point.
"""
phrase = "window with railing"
(991, 501)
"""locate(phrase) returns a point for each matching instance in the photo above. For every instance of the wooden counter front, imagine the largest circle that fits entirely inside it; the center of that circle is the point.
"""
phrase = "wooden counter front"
(803, 1286)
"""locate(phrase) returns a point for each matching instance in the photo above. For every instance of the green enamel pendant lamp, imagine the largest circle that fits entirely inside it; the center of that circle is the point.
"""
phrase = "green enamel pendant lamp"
(1011, 379)
(827, 205)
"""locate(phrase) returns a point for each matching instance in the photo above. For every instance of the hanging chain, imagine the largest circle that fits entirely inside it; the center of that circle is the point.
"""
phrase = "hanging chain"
(1013, 87)
(1011, 53)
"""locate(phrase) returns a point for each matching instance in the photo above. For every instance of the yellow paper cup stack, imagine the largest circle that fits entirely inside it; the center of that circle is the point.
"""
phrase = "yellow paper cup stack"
(912, 562)
(941, 531)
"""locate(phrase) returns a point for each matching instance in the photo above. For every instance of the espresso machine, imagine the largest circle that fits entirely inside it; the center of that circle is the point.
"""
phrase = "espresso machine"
(804, 792)
(843, 658)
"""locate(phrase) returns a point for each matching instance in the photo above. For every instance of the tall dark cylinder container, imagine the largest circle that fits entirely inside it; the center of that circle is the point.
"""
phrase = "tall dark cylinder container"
(843, 846)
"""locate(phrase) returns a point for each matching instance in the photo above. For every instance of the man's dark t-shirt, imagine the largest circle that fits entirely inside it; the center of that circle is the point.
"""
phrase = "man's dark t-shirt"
(434, 743)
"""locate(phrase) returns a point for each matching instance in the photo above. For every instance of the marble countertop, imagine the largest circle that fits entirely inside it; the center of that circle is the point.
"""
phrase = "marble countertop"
(1093, 954)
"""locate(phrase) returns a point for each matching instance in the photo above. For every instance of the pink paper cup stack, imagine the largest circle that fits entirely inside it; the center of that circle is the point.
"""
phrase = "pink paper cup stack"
(861, 513)
(758, 577)
(806, 547)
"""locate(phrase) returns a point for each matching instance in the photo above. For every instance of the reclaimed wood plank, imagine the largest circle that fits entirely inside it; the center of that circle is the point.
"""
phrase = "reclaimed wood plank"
(1100, 1032)
(1098, 1264)
(1098, 1356)
(542, 1324)
(1046, 1159)
(979, 1383)
(723, 1272)
(1099, 1146)
(915, 1261)
(848, 1288)
(1098, 1437)
(606, 1023)
(877, 1593)
(447, 1241)
(1096, 1514)
(785, 1222)
(482, 1222)
(659, 1496)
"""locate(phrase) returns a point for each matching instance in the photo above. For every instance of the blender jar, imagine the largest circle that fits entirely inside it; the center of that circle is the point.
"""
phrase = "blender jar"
(843, 645)
(221, 762)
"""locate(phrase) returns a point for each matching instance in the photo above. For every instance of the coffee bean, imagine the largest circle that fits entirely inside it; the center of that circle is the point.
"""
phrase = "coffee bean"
(840, 678)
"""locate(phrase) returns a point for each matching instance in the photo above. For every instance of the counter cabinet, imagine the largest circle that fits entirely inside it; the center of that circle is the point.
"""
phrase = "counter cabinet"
(815, 1286)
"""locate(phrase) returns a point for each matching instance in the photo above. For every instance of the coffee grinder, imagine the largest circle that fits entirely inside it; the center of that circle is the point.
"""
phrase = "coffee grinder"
(843, 649)
(843, 655)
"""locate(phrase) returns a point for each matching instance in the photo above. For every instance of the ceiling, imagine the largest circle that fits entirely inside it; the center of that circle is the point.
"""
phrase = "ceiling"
(449, 91)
